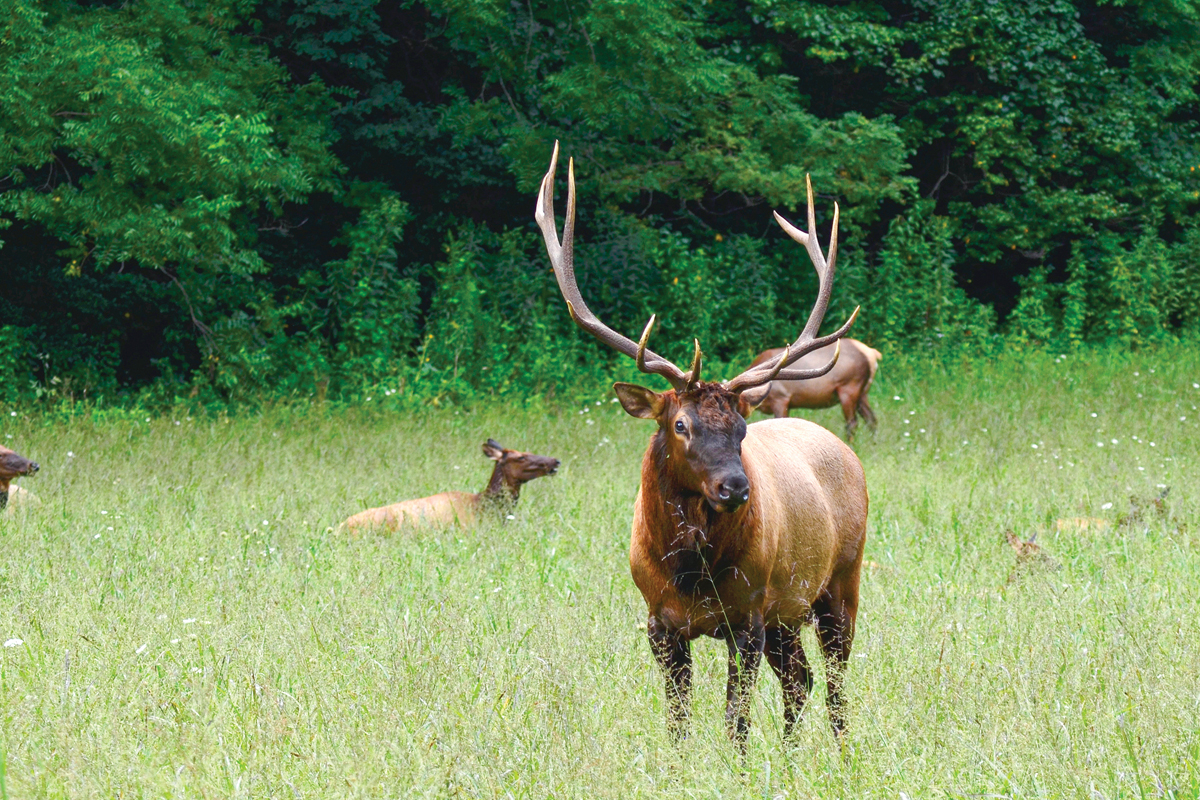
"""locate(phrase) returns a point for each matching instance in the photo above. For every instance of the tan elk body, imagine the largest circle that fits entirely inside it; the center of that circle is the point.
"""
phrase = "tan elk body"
(846, 384)
(513, 470)
(741, 532)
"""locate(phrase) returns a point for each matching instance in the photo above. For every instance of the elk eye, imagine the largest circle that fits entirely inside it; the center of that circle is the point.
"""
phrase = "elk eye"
(680, 427)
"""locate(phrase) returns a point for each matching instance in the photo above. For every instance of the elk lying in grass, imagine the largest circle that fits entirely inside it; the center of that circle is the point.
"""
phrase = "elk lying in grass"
(513, 470)
(1029, 555)
(741, 532)
(846, 384)
(12, 466)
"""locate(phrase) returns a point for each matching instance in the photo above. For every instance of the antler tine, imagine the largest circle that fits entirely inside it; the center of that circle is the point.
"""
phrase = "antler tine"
(562, 259)
(805, 374)
(776, 368)
(641, 351)
(693, 376)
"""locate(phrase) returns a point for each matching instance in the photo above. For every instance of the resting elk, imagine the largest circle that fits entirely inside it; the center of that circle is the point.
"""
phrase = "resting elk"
(12, 466)
(512, 471)
(741, 532)
(846, 384)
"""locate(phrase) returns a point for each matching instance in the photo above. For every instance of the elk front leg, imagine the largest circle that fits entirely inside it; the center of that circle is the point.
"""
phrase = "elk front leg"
(786, 657)
(776, 404)
(674, 656)
(745, 652)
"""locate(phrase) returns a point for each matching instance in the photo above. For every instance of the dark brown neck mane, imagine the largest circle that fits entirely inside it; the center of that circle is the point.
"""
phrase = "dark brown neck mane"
(500, 490)
(698, 544)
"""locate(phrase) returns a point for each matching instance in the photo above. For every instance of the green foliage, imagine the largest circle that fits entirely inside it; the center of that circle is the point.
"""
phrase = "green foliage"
(1031, 322)
(14, 363)
(914, 296)
(1135, 291)
(151, 133)
(216, 192)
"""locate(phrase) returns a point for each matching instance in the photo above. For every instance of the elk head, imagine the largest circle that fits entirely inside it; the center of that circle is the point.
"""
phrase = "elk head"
(14, 466)
(515, 468)
(701, 424)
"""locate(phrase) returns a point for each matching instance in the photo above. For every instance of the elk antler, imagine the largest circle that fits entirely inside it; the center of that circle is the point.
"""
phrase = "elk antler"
(562, 258)
(777, 368)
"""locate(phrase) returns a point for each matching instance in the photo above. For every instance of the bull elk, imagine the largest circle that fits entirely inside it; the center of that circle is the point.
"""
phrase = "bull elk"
(512, 471)
(12, 466)
(741, 532)
(846, 384)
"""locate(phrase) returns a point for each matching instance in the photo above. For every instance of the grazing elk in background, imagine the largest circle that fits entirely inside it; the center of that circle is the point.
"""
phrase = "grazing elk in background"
(12, 466)
(846, 384)
(512, 471)
(741, 532)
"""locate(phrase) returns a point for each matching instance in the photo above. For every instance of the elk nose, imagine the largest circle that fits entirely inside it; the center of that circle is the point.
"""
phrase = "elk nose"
(33, 466)
(734, 491)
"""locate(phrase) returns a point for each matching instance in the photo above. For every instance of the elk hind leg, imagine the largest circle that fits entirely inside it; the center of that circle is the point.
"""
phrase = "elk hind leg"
(848, 398)
(836, 611)
(867, 413)
(674, 656)
(786, 657)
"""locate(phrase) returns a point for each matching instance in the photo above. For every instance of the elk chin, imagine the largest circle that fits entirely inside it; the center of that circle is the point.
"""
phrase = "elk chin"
(723, 506)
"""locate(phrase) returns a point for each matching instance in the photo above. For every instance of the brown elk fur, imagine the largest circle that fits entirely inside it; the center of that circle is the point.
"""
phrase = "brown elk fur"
(12, 466)
(513, 469)
(846, 384)
(790, 555)
(740, 532)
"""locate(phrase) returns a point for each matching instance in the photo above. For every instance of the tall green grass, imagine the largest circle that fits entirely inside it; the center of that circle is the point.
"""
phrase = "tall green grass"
(190, 626)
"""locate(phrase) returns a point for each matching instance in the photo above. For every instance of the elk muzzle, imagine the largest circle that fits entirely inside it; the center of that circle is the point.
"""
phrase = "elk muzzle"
(13, 465)
(730, 492)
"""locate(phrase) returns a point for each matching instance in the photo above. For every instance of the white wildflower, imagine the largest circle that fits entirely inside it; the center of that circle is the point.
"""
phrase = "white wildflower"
(1106, 507)
(14, 642)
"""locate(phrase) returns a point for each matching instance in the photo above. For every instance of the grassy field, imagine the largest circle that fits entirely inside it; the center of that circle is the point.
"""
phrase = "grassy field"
(190, 627)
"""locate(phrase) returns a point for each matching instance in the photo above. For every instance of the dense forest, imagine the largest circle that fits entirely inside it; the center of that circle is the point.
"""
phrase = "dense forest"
(232, 200)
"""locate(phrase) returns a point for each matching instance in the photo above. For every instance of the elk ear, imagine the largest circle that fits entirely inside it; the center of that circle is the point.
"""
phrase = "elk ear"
(1014, 541)
(750, 398)
(493, 450)
(639, 401)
